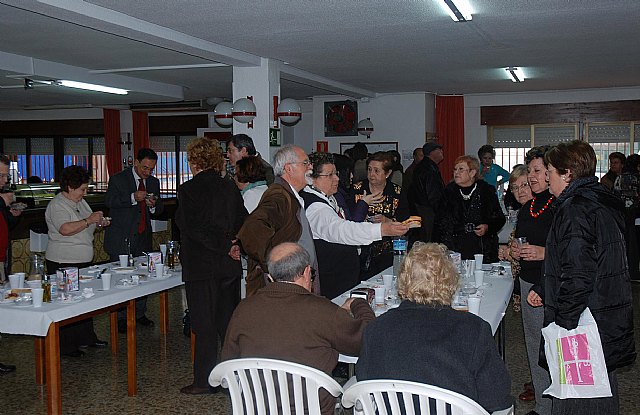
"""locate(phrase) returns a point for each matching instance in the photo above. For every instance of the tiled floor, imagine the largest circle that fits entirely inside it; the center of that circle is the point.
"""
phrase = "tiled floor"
(97, 383)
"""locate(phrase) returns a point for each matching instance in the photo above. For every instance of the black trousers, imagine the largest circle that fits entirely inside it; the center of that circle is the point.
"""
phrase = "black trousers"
(79, 333)
(211, 304)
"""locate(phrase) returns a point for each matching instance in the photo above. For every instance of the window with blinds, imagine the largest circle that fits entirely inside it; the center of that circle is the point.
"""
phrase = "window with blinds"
(42, 164)
(606, 138)
(16, 150)
(172, 168)
(512, 143)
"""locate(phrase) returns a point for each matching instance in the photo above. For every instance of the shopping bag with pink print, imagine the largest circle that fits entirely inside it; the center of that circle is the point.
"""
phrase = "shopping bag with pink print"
(576, 361)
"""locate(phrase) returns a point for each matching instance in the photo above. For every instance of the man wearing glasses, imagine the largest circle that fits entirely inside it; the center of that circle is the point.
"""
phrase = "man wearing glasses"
(132, 197)
(286, 321)
(279, 217)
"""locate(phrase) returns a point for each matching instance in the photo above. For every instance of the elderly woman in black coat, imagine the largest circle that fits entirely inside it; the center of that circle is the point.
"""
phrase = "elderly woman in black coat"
(473, 215)
(586, 265)
(210, 214)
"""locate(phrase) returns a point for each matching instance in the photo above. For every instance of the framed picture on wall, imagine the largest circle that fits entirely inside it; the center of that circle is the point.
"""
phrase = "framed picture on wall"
(372, 146)
(340, 118)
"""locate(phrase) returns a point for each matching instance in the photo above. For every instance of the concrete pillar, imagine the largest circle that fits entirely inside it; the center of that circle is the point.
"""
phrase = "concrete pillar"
(263, 83)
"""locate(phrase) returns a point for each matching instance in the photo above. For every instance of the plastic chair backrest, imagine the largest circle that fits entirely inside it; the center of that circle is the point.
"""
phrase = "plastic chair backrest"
(372, 397)
(263, 386)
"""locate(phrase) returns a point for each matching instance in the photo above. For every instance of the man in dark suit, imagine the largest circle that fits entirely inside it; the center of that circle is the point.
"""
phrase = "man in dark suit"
(132, 197)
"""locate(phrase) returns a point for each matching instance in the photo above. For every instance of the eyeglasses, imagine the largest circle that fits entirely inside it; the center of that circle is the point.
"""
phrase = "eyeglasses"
(305, 163)
(460, 169)
(515, 188)
(336, 174)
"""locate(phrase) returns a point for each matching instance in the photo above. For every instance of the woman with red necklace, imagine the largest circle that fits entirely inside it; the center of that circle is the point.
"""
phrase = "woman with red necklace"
(534, 222)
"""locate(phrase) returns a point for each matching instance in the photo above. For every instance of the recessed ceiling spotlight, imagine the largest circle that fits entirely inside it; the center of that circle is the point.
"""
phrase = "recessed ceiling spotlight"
(459, 10)
(515, 73)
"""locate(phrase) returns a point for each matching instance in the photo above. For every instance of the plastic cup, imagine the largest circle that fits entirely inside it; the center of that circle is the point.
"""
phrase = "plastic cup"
(37, 295)
(387, 279)
(159, 270)
(124, 260)
(23, 277)
(479, 258)
(473, 303)
(16, 281)
(479, 276)
(471, 268)
(106, 282)
(379, 295)
(163, 250)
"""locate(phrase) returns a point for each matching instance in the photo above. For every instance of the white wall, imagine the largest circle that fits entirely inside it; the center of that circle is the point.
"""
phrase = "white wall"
(402, 117)
(476, 134)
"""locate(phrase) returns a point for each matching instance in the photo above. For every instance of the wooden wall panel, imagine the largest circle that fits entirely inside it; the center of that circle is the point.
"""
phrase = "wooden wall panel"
(611, 111)
(177, 125)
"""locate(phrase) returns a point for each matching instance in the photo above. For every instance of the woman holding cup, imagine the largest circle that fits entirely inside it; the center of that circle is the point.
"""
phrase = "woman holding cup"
(71, 224)
(528, 248)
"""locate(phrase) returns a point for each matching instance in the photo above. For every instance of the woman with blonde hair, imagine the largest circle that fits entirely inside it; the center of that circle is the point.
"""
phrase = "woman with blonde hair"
(210, 214)
(425, 340)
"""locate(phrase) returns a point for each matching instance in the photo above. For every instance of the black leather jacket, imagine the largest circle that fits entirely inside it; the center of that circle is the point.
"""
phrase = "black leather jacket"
(427, 188)
(586, 266)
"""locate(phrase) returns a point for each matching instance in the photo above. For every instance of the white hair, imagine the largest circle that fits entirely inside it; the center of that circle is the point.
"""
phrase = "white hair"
(287, 154)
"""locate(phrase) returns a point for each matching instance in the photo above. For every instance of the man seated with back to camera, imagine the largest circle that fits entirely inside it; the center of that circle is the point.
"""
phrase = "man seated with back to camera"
(299, 326)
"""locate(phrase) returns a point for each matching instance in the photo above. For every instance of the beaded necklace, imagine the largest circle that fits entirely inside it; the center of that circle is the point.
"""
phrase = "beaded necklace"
(536, 214)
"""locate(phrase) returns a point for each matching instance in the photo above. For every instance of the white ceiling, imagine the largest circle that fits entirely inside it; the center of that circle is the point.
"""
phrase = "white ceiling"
(356, 48)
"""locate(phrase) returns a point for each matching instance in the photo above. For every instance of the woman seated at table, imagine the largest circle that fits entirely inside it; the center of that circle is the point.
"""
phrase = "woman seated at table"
(473, 215)
(71, 226)
(378, 256)
(251, 179)
(425, 340)
(336, 239)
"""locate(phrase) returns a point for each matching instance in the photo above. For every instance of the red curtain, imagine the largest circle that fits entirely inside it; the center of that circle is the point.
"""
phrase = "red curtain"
(450, 131)
(111, 119)
(140, 131)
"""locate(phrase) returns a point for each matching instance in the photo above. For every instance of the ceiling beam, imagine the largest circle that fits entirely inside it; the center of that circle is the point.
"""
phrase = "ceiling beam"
(32, 67)
(290, 73)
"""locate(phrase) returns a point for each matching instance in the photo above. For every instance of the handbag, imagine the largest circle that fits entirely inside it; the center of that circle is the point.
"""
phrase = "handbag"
(576, 360)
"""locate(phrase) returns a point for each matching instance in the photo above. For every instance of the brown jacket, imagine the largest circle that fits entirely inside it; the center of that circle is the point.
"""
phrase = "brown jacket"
(273, 222)
(287, 322)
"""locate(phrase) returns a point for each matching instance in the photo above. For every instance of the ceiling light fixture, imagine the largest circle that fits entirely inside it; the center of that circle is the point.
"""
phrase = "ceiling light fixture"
(459, 10)
(515, 73)
(91, 87)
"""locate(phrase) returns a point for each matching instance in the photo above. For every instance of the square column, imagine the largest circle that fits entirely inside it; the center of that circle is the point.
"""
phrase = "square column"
(262, 83)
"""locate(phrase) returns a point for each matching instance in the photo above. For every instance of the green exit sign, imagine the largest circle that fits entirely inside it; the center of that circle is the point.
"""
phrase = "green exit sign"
(275, 138)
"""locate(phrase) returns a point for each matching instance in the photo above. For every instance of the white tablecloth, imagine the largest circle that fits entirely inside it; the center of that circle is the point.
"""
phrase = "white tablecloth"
(495, 299)
(35, 321)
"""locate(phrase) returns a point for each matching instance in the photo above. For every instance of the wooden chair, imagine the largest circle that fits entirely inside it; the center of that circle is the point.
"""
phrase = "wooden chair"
(373, 397)
(262, 386)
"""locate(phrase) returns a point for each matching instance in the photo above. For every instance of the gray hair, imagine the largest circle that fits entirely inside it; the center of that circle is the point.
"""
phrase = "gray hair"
(287, 154)
(289, 266)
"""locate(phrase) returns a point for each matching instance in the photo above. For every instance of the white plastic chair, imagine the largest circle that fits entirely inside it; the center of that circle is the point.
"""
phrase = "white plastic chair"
(248, 380)
(372, 397)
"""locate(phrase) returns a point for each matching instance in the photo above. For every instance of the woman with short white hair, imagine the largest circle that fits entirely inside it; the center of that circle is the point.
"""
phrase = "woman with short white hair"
(425, 340)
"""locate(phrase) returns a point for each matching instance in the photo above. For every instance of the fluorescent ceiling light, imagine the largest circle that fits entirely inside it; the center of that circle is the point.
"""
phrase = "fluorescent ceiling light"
(515, 73)
(92, 87)
(459, 10)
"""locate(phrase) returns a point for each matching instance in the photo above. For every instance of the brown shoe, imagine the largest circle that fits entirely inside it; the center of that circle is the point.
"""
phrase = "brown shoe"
(527, 395)
(196, 390)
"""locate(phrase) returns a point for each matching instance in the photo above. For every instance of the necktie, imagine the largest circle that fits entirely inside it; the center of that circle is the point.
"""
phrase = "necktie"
(143, 209)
